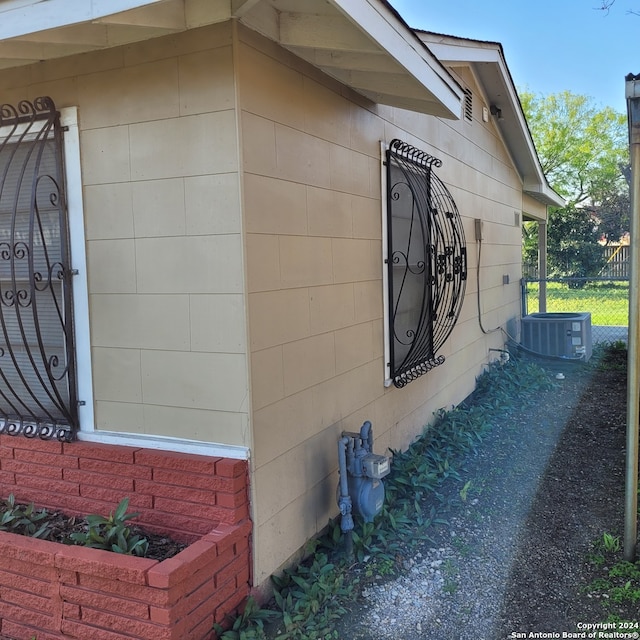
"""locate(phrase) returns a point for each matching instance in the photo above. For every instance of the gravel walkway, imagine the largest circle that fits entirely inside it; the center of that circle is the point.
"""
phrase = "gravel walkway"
(454, 587)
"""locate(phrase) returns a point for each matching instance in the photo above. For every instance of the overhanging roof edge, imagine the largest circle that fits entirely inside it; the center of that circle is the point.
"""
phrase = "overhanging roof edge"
(489, 64)
(52, 14)
(389, 30)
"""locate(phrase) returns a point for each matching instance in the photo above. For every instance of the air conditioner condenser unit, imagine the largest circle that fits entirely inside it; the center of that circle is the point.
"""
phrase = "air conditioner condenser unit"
(561, 334)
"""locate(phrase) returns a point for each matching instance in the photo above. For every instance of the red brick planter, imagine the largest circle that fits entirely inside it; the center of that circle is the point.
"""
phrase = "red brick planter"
(54, 591)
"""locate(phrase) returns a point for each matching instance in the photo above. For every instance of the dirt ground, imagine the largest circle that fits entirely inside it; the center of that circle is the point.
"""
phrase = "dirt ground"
(580, 496)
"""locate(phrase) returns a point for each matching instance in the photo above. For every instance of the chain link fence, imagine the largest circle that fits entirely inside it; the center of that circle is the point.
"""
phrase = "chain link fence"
(606, 299)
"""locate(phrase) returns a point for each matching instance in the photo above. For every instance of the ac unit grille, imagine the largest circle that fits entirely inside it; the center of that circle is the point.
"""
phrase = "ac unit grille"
(566, 335)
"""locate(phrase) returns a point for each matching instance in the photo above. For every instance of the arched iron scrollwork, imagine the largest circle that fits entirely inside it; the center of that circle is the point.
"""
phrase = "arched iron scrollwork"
(427, 262)
(37, 365)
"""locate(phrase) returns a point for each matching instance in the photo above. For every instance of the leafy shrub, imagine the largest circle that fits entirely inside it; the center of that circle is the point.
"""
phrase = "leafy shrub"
(249, 625)
(22, 519)
(112, 533)
(311, 598)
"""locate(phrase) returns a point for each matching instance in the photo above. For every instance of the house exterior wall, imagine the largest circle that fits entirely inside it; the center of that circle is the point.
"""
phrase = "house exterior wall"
(313, 210)
(162, 222)
(231, 190)
(161, 194)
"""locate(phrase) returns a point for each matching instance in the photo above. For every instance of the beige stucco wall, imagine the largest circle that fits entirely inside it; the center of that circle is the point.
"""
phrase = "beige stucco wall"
(312, 189)
(158, 143)
(225, 179)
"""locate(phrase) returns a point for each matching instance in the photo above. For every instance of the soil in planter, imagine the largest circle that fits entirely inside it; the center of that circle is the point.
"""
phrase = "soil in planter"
(61, 526)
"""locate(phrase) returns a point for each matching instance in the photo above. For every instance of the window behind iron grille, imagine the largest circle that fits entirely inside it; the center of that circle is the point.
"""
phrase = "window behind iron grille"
(37, 372)
(426, 263)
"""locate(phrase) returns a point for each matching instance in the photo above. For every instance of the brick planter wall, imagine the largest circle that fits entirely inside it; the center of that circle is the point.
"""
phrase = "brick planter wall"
(55, 591)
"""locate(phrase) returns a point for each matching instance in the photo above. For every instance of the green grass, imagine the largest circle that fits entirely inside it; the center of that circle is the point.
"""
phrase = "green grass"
(608, 302)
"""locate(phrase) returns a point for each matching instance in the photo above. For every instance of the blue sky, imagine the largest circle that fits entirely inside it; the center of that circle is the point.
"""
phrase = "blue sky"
(550, 45)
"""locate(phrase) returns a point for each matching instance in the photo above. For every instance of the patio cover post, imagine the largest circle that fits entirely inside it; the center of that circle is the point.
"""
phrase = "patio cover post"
(632, 92)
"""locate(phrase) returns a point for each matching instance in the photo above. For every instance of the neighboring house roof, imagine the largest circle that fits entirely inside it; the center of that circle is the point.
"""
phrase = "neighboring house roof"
(486, 59)
(364, 44)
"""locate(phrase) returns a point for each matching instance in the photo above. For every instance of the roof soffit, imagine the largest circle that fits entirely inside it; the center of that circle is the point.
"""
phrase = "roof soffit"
(362, 43)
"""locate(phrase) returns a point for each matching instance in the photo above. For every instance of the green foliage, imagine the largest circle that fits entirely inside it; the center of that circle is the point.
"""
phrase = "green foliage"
(614, 213)
(310, 598)
(249, 625)
(464, 492)
(610, 543)
(112, 533)
(377, 539)
(573, 250)
(25, 520)
(581, 147)
(584, 153)
(618, 585)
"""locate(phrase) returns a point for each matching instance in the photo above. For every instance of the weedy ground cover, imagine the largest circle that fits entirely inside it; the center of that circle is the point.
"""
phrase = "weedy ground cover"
(616, 583)
(311, 597)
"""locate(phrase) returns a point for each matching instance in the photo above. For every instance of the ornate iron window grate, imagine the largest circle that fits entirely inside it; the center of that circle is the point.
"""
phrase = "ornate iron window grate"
(37, 365)
(426, 262)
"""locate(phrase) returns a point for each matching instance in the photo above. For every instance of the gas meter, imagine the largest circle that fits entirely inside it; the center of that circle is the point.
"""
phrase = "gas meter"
(361, 473)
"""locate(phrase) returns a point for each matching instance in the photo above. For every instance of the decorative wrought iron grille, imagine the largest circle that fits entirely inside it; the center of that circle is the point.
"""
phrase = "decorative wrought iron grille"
(37, 365)
(426, 262)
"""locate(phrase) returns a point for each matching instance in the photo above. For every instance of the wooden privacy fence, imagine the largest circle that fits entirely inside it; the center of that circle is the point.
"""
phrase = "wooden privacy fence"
(617, 264)
(617, 261)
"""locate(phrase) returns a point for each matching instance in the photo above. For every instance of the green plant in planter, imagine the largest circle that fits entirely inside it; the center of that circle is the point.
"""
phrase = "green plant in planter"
(22, 519)
(112, 533)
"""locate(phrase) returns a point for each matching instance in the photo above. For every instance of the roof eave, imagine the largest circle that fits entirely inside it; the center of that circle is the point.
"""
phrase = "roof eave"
(489, 66)
(364, 44)
(543, 193)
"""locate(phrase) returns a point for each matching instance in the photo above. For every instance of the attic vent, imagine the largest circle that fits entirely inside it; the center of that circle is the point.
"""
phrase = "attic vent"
(468, 105)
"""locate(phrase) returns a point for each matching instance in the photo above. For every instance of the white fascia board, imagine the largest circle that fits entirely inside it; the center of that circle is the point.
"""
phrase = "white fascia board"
(52, 14)
(451, 53)
(544, 193)
(404, 47)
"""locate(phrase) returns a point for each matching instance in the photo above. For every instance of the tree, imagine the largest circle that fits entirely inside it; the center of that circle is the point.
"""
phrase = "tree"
(605, 5)
(581, 149)
(614, 212)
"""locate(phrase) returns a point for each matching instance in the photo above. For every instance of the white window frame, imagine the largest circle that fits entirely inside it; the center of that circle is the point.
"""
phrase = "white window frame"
(75, 217)
(388, 381)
